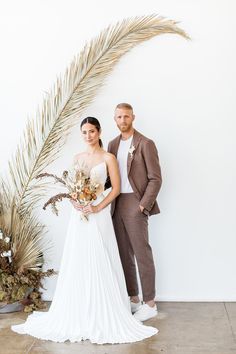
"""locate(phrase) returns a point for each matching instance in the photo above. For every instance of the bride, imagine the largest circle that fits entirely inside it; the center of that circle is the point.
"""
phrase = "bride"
(90, 300)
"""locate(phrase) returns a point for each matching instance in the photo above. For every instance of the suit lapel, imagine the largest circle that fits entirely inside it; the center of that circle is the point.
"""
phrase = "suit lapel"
(116, 145)
(135, 141)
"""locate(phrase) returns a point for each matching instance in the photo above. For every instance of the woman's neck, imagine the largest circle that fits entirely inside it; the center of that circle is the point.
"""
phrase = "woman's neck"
(92, 150)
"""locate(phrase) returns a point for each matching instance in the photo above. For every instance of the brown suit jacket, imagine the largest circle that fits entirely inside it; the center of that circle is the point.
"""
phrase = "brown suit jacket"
(144, 171)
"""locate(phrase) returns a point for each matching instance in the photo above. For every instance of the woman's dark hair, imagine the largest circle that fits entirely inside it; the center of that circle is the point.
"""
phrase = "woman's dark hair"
(95, 122)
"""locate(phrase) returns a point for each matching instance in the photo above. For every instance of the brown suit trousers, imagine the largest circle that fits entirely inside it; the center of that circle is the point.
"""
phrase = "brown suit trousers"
(131, 229)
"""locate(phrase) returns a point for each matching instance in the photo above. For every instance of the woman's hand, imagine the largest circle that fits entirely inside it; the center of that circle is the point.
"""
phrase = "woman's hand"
(76, 205)
(90, 209)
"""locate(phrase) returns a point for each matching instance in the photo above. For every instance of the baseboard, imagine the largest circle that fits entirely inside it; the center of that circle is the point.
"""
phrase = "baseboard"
(198, 299)
(177, 299)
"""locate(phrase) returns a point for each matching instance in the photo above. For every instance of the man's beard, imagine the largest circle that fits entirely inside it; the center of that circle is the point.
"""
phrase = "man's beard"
(124, 128)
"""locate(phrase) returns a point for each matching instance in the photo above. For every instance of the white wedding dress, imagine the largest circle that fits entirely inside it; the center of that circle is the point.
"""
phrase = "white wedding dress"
(90, 300)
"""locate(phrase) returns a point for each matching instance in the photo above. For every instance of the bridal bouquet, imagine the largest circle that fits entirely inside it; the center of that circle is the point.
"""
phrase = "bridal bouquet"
(81, 188)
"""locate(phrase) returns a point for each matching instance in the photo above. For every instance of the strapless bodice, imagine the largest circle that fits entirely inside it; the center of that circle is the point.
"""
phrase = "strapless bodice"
(99, 173)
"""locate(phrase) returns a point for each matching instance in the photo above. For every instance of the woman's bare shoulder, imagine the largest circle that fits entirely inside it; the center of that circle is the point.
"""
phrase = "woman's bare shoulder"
(109, 157)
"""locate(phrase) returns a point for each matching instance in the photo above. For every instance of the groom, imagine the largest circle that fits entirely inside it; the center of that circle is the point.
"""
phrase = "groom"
(140, 183)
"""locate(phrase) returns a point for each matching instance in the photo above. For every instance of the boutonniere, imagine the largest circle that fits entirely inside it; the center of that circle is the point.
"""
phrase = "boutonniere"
(131, 151)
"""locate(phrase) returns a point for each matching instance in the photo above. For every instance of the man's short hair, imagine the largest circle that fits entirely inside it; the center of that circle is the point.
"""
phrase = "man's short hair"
(125, 105)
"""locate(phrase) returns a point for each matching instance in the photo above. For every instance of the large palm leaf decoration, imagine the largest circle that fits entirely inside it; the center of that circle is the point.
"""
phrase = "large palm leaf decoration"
(62, 108)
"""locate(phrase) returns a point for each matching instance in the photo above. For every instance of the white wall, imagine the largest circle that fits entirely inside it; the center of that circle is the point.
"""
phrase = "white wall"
(182, 93)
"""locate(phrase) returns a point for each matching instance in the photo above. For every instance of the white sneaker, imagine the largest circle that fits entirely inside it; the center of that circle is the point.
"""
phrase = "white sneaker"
(145, 312)
(135, 306)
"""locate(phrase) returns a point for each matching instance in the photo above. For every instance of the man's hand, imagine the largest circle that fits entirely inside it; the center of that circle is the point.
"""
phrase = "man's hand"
(141, 208)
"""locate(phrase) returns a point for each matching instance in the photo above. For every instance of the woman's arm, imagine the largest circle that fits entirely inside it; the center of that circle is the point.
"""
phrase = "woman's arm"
(113, 171)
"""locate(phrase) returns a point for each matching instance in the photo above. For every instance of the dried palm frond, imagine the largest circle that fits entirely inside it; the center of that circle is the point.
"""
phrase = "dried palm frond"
(26, 235)
(62, 108)
(27, 245)
(6, 203)
(25, 232)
